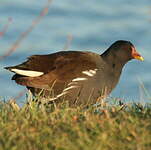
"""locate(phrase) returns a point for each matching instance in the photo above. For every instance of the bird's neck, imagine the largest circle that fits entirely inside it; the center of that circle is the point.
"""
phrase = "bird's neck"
(114, 62)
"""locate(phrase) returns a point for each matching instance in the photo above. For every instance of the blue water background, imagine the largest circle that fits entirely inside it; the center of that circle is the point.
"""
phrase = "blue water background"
(94, 25)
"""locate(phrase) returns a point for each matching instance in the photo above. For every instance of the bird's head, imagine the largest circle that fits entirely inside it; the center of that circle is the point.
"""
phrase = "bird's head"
(123, 51)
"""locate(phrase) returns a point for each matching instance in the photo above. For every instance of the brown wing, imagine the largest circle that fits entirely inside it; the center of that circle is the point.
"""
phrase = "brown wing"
(47, 63)
(61, 67)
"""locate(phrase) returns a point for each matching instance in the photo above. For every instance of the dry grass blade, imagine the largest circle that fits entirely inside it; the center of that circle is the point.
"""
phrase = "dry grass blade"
(14, 105)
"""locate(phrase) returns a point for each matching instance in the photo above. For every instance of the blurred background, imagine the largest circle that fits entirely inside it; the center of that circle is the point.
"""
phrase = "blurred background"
(84, 25)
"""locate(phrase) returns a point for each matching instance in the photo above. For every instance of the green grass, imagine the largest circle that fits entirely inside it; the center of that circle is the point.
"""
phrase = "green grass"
(107, 127)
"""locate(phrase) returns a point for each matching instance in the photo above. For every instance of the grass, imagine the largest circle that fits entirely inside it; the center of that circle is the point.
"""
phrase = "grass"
(106, 127)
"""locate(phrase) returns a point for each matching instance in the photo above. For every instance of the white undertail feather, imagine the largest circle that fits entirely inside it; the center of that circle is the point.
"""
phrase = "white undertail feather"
(28, 73)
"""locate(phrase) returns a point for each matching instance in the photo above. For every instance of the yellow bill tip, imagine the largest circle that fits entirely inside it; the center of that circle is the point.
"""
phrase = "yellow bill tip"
(139, 58)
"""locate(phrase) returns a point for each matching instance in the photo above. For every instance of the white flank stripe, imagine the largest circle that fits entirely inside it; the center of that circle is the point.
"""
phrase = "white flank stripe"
(59, 95)
(79, 79)
(90, 73)
(87, 73)
(70, 87)
(27, 73)
(93, 71)
(72, 83)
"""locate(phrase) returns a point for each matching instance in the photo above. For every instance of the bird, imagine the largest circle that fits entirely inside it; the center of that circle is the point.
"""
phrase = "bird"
(80, 77)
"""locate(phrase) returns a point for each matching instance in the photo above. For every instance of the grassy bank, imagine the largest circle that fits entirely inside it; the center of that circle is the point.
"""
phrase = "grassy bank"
(115, 127)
